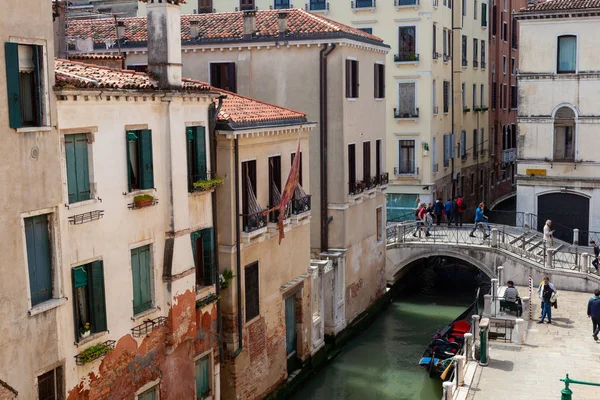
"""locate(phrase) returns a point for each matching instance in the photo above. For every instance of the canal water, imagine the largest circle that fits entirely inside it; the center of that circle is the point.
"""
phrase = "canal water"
(382, 362)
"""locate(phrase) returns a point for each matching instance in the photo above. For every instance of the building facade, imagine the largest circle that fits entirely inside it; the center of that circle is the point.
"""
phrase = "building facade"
(557, 175)
(504, 66)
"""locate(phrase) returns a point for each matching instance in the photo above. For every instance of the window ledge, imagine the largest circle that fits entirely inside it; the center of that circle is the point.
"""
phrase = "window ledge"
(203, 291)
(351, 98)
(91, 338)
(46, 306)
(81, 203)
(379, 98)
(145, 313)
(35, 129)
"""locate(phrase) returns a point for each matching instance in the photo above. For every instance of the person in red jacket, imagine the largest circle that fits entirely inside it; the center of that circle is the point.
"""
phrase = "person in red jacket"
(461, 209)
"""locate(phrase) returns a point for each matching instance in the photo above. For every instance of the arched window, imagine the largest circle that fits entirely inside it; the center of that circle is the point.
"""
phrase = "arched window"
(567, 54)
(564, 134)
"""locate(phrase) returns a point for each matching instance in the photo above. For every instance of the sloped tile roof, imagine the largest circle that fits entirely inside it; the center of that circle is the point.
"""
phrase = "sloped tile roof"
(237, 110)
(219, 26)
(559, 5)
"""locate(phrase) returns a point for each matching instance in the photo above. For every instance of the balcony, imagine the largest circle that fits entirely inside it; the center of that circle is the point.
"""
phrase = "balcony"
(203, 182)
(317, 6)
(382, 179)
(465, 63)
(406, 3)
(301, 205)
(481, 109)
(406, 170)
(403, 115)
(363, 5)
(475, 64)
(466, 109)
(254, 222)
(447, 57)
(274, 215)
(509, 155)
(246, 7)
(483, 65)
(282, 5)
(406, 58)
(357, 187)
(435, 55)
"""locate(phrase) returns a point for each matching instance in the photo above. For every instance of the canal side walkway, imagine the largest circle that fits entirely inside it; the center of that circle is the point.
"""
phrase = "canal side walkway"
(533, 371)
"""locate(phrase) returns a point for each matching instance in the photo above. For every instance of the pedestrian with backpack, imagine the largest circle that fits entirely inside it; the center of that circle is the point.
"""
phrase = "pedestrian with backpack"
(593, 312)
(462, 206)
(479, 221)
(438, 209)
(546, 292)
(448, 210)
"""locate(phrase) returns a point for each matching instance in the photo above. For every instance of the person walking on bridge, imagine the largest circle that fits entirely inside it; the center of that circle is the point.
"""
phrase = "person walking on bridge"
(461, 206)
(596, 254)
(448, 209)
(545, 291)
(593, 312)
(479, 222)
(548, 234)
(438, 209)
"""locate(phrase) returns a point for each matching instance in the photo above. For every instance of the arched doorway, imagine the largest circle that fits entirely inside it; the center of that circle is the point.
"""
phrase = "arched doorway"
(567, 211)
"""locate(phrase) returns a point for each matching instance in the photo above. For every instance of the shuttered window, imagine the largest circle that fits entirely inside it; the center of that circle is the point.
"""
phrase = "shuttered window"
(367, 162)
(223, 76)
(463, 145)
(352, 79)
(140, 167)
(251, 291)
(89, 299)
(50, 385)
(202, 375)
(484, 15)
(196, 155)
(142, 279)
(39, 258)
(203, 247)
(23, 83)
(78, 177)
(379, 82)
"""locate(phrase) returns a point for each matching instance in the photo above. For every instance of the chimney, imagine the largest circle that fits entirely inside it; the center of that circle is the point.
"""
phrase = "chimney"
(283, 23)
(249, 24)
(164, 43)
(194, 29)
(120, 29)
(60, 25)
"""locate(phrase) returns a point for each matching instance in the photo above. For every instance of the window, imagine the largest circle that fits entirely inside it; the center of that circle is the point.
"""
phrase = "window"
(366, 30)
(223, 76)
(248, 192)
(282, 4)
(140, 168)
(141, 67)
(246, 5)
(379, 81)
(407, 106)
(379, 223)
(513, 69)
(274, 186)
(505, 31)
(434, 154)
(251, 291)
(463, 145)
(446, 96)
(434, 96)
(464, 51)
(475, 9)
(494, 95)
(500, 95)
(78, 177)
(203, 249)
(475, 143)
(482, 103)
(318, 5)
(406, 157)
(196, 155)
(504, 65)
(504, 97)
(474, 96)
(483, 15)
(445, 44)
(50, 385)
(475, 55)
(363, 3)
(483, 54)
(205, 6)
(434, 41)
(150, 394)
(464, 8)
(352, 166)
(494, 140)
(25, 77)
(464, 95)
(351, 79)
(378, 159)
(299, 167)
(505, 2)
(448, 148)
(367, 162)
(494, 20)
(482, 141)
(39, 257)
(202, 376)
(564, 134)
(567, 54)
(514, 41)
(513, 97)
(89, 299)
(407, 43)
(141, 272)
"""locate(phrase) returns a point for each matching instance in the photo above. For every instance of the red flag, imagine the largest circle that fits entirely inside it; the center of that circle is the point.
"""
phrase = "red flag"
(288, 191)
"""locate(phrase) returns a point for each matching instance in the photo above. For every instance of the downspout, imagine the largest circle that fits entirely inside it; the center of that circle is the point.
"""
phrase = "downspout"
(213, 168)
(452, 104)
(323, 142)
(238, 254)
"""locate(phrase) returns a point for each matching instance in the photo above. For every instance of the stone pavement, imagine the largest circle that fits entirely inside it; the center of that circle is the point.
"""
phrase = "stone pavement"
(532, 371)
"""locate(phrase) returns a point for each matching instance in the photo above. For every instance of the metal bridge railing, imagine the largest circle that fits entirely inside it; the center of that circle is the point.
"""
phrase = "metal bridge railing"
(566, 393)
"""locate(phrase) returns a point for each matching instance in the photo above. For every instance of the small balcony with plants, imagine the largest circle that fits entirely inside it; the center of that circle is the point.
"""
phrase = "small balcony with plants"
(94, 352)
(406, 114)
(204, 182)
(383, 179)
(481, 109)
(466, 109)
(142, 201)
(360, 5)
(406, 57)
(357, 187)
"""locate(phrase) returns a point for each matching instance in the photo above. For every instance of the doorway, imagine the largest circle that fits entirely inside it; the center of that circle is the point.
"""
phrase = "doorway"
(291, 335)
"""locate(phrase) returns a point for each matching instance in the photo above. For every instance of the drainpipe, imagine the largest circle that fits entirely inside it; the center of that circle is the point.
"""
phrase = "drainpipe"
(238, 254)
(452, 105)
(213, 168)
(323, 142)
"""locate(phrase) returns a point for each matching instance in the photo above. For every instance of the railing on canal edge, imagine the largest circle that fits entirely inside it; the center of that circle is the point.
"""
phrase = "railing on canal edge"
(566, 393)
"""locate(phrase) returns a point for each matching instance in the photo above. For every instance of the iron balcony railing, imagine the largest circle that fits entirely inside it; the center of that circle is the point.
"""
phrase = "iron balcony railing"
(465, 63)
(356, 187)
(383, 179)
(435, 55)
(282, 5)
(406, 56)
(274, 215)
(317, 5)
(475, 64)
(202, 176)
(400, 3)
(406, 115)
(363, 4)
(301, 205)
(509, 155)
(447, 57)
(254, 222)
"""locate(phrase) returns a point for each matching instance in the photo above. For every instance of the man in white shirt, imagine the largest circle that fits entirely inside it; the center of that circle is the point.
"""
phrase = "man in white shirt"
(548, 234)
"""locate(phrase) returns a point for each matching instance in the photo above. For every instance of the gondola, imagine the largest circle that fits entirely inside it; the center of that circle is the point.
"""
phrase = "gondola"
(446, 343)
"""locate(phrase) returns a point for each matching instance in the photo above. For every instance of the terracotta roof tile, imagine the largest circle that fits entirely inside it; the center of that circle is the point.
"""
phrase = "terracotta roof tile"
(558, 5)
(218, 26)
(236, 110)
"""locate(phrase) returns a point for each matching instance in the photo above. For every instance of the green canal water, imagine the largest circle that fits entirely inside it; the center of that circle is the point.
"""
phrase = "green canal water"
(382, 362)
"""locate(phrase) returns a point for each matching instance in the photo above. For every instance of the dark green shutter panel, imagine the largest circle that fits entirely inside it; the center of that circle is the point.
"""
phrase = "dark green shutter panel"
(82, 169)
(37, 58)
(146, 165)
(129, 136)
(80, 277)
(200, 149)
(208, 251)
(194, 236)
(145, 277)
(98, 297)
(189, 145)
(38, 258)
(71, 168)
(11, 53)
(135, 274)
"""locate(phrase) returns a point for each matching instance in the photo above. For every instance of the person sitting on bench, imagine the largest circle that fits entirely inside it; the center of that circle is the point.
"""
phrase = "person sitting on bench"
(511, 295)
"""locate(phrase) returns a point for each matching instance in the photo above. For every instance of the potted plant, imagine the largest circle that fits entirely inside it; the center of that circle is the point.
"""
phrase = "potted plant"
(85, 330)
(225, 278)
(205, 185)
(143, 200)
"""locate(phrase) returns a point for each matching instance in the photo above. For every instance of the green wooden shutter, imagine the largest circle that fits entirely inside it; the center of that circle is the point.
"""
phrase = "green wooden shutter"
(129, 135)
(208, 252)
(202, 377)
(11, 53)
(37, 58)
(98, 297)
(135, 274)
(189, 145)
(200, 149)
(38, 258)
(71, 168)
(145, 154)
(141, 272)
(82, 168)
